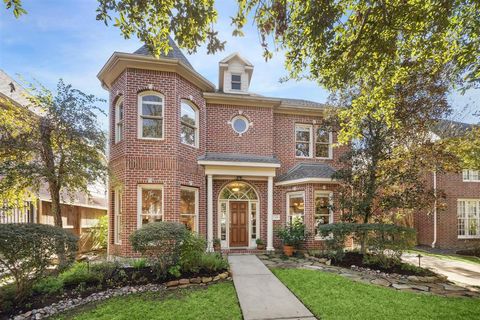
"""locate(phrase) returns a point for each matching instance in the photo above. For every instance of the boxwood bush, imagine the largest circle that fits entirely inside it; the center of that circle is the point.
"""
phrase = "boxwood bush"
(384, 242)
(27, 250)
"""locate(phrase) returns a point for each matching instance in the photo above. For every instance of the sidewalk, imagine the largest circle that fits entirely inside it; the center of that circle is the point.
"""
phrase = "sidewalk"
(262, 296)
(457, 271)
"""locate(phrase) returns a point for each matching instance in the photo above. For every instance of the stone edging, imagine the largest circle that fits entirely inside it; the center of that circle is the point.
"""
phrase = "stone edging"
(71, 303)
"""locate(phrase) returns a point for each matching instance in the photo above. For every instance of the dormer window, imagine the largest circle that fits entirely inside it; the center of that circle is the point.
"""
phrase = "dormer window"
(236, 82)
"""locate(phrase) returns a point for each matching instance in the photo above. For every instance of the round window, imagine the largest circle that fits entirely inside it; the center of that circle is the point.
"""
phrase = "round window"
(240, 124)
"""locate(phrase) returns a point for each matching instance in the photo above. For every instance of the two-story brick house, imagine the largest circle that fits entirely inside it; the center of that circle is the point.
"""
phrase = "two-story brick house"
(226, 162)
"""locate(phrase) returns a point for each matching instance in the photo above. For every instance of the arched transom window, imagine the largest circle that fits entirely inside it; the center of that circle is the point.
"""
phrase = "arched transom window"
(238, 191)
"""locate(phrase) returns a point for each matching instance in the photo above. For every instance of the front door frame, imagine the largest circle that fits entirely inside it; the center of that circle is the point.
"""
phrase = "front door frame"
(247, 223)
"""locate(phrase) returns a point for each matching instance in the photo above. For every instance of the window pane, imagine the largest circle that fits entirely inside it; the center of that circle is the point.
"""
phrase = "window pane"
(240, 125)
(188, 114)
(152, 98)
(296, 207)
(236, 85)
(188, 135)
(323, 136)
(188, 221)
(151, 202)
(120, 111)
(253, 212)
(151, 219)
(321, 150)
(153, 110)
(223, 220)
(236, 77)
(152, 128)
(187, 201)
(302, 135)
(302, 150)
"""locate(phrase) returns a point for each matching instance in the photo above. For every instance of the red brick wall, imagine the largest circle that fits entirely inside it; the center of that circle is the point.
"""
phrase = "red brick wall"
(454, 188)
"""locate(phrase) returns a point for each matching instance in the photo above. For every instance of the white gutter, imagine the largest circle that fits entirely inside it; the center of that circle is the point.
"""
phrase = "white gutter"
(434, 209)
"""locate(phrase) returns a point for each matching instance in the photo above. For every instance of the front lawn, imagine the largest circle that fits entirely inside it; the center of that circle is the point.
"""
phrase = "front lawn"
(218, 301)
(330, 296)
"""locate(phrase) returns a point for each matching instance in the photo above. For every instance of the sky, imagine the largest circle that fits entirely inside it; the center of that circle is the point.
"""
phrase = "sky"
(62, 39)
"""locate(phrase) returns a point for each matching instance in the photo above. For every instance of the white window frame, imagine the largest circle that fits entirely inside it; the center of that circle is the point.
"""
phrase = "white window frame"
(294, 194)
(119, 123)
(466, 219)
(330, 211)
(195, 215)
(194, 127)
(232, 82)
(141, 187)
(467, 175)
(330, 143)
(310, 145)
(117, 214)
(140, 115)
(240, 117)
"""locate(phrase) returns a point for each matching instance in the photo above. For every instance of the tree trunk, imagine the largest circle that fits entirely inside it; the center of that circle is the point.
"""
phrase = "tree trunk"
(56, 209)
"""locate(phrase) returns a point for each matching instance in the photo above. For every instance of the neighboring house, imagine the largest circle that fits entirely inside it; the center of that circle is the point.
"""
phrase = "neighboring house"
(79, 214)
(227, 163)
(457, 226)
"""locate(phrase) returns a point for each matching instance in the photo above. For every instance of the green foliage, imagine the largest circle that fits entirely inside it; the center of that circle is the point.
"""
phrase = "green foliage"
(61, 145)
(17, 7)
(259, 241)
(48, 285)
(192, 249)
(160, 243)
(212, 262)
(80, 273)
(153, 21)
(27, 250)
(293, 234)
(139, 263)
(385, 241)
(99, 233)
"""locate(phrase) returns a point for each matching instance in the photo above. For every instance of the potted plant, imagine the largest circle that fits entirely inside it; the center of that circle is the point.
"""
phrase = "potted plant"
(292, 236)
(260, 244)
(216, 245)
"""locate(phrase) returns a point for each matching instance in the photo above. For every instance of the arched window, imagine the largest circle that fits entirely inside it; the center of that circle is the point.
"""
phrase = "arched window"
(238, 191)
(118, 130)
(150, 115)
(189, 124)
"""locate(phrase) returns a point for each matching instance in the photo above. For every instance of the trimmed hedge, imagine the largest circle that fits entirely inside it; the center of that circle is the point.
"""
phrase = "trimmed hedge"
(385, 241)
(27, 250)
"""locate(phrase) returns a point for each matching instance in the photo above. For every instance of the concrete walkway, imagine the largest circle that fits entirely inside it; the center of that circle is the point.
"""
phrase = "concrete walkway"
(467, 273)
(262, 296)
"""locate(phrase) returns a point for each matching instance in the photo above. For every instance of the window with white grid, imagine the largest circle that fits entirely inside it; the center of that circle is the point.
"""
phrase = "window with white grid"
(468, 214)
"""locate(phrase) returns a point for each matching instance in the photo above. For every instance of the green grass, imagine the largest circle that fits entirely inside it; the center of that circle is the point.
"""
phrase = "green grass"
(218, 301)
(331, 296)
(456, 257)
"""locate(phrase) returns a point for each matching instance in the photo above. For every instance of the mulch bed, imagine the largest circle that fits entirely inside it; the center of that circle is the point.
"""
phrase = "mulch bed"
(355, 258)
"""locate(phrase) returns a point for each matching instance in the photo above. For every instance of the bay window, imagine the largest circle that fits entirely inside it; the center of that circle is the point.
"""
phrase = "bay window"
(323, 211)
(150, 115)
(150, 204)
(295, 206)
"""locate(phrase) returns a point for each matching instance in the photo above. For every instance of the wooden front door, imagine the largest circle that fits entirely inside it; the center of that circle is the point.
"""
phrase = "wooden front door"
(238, 224)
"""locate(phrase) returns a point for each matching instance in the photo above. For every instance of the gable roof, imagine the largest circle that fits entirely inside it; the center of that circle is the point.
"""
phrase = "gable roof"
(450, 129)
(236, 55)
(303, 171)
(174, 53)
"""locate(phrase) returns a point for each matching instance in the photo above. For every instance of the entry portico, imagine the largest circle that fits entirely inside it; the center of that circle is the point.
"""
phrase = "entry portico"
(238, 215)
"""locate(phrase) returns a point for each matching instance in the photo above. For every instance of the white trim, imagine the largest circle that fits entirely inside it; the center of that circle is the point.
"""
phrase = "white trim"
(195, 190)
(310, 142)
(269, 215)
(330, 211)
(209, 213)
(248, 124)
(139, 114)
(118, 134)
(288, 196)
(306, 180)
(238, 164)
(117, 212)
(468, 173)
(195, 126)
(141, 187)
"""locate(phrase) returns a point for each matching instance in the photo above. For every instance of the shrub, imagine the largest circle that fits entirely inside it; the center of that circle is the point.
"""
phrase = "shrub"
(191, 252)
(139, 263)
(48, 285)
(293, 234)
(212, 262)
(80, 274)
(160, 243)
(385, 241)
(27, 250)
(259, 242)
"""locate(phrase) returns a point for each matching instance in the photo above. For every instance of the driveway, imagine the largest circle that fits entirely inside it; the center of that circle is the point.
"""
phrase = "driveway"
(467, 273)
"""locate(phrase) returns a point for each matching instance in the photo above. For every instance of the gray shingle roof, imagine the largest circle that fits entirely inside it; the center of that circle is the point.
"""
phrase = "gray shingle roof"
(307, 170)
(237, 157)
(450, 129)
(303, 103)
(174, 53)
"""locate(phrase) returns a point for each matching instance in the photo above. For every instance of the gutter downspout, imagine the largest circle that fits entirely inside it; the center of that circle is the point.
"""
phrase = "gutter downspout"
(434, 209)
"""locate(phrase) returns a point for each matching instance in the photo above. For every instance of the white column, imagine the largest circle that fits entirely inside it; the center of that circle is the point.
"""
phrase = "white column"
(270, 215)
(209, 213)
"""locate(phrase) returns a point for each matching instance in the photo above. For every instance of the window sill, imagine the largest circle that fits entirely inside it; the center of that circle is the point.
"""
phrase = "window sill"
(323, 158)
(468, 237)
(189, 145)
(298, 157)
(152, 139)
(471, 181)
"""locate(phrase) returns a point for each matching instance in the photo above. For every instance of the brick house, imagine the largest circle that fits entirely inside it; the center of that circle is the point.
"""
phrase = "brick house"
(228, 163)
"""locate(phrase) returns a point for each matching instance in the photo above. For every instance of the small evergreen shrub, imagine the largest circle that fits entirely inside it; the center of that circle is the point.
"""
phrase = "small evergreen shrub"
(48, 285)
(80, 274)
(212, 262)
(293, 234)
(27, 250)
(160, 243)
(192, 249)
(139, 263)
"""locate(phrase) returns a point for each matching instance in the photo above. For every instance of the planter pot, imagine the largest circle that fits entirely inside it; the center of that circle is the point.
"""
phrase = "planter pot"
(288, 250)
(260, 247)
